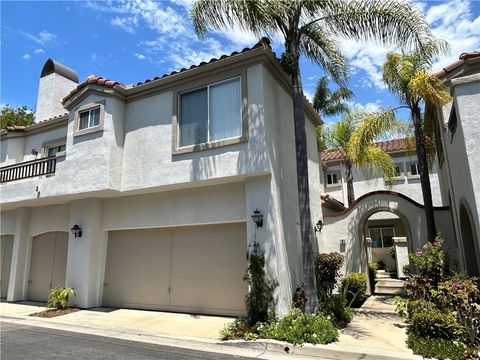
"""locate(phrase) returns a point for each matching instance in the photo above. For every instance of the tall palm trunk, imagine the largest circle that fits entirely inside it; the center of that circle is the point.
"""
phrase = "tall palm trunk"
(423, 169)
(306, 227)
(350, 190)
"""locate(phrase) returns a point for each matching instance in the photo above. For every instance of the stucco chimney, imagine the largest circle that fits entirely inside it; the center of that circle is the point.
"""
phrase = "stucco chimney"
(56, 81)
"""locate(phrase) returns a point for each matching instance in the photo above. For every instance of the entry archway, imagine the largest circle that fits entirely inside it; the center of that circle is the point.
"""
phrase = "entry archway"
(468, 240)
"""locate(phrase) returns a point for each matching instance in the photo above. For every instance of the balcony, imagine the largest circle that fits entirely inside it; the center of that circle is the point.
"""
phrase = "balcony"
(28, 169)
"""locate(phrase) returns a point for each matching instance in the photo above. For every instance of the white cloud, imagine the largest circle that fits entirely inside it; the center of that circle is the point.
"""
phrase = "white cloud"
(140, 56)
(127, 23)
(42, 38)
(26, 57)
(452, 21)
(39, 51)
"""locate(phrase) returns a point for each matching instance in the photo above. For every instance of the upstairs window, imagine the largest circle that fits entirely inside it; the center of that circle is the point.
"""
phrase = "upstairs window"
(89, 118)
(211, 113)
(332, 179)
(53, 150)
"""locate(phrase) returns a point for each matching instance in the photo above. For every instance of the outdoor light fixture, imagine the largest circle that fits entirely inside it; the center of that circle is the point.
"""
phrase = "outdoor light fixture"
(342, 242)
(257, 218)
(319, 226)
(34, 152)
(76, 230)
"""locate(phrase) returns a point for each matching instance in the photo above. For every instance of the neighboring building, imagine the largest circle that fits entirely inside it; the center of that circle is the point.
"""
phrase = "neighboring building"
(458, 134)
(162, 179)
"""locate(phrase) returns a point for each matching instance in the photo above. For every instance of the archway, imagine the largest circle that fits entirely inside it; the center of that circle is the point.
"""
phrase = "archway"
(468, 239)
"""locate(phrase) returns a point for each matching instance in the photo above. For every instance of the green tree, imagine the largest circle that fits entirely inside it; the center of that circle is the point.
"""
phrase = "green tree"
(328, 102)
(20, 116)
(354, 136)
(312, 29)
(407, 76)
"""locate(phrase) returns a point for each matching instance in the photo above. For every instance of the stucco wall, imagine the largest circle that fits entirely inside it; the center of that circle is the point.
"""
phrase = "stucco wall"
(51, 89)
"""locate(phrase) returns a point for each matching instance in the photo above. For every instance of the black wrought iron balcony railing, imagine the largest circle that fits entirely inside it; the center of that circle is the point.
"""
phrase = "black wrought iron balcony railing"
(28, 169)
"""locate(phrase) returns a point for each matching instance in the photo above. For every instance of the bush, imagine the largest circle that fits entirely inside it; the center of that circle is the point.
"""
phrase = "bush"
(392, 252)
(372, 274)
(335, 308)
(235, 330)
(58, 297)
(299, 299)
(406, 270)
(416, 306)
(327, 271)
(298, 328)
(259, 300)
(435, 324)
(354, 286)
(431, 261)
(437, 348)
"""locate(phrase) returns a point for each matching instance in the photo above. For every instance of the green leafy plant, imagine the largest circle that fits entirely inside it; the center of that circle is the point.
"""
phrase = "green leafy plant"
(400, 306)
(354, 285)
(392, 251)
(235, 329)
(58, 297)
(259, 301)
(327, 272)
(297, 328)
(299, 299)
(436, 348)
(335, 308)
(435, 324)
(431, 261)
(372, 274)
(406, 270)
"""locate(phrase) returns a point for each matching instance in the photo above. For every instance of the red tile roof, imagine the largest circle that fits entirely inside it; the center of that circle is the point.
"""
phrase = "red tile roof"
(92, 79)
(461, 60)
(18, 128)
(389, 146)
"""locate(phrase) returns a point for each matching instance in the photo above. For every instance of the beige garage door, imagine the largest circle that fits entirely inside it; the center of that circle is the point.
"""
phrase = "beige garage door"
(195, 269)
(6, 255)
(48, 264)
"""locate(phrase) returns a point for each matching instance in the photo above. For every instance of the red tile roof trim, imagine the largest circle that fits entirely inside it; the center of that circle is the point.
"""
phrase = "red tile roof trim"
(461, 60)
(18, 128)
(383, 192)
(389, 146)
(92, 79)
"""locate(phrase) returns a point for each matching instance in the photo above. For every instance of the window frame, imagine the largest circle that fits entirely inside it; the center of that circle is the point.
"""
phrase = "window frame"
(205, 83)
(55, 143)
(382, 227)
(410, 175)
(338, 183)
(89, 107)
(401, 166)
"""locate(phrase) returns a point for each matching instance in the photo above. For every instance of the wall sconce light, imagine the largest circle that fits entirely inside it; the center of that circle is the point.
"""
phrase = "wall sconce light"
(319, 226)
(34, 152)
(76, 230)
(343, 242)
(257, 218)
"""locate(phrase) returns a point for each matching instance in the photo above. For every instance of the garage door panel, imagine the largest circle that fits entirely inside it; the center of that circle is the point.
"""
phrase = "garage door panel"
(43, 247)
(138, 268)
(60, 259)
(6, 257)
(208, 267)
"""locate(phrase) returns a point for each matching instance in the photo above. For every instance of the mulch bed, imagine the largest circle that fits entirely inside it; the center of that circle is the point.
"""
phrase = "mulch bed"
(54, 312)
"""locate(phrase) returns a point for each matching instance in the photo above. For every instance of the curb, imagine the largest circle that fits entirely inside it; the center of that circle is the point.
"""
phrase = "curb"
(258, 348)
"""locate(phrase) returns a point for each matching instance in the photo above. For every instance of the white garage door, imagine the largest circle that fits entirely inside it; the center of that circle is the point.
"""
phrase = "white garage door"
(6, 255)
(195, 269)
(48, 264)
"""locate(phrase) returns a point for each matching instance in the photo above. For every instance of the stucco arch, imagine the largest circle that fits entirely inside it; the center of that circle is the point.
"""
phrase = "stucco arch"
(349, 225)
(469, 237)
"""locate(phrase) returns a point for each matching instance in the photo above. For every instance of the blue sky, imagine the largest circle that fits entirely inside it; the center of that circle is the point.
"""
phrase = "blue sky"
(132, 41)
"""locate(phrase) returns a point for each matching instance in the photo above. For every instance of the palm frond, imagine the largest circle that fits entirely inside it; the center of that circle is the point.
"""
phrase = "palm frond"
(320, 46)
(377, 163)
(429, 88)
(329, 102)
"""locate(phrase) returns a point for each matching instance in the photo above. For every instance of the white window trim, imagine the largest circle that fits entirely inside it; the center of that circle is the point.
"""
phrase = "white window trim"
(88, 107)
(54, 143)
(339, 181)
(177, 149)
(208, 112)
(409, 172)
(381, 234)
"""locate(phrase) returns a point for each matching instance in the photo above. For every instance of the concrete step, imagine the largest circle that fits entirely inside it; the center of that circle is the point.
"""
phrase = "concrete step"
(383, 276)
(390, 282)
(388, 290)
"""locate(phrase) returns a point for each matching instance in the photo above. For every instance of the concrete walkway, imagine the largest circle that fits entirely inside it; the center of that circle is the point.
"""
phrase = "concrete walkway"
(372, 334)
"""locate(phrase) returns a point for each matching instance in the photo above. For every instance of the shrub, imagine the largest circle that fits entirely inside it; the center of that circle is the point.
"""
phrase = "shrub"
(392, 252)
(354, 286)
(435, 324)
(299, 299)
(372, 274)
(237, 329)
(58, 297)
(416, 306)
(431, 261)
(327, 271)
(335, 308)
(297, 328)
(437, 348)
(259, 300)
(406, 270)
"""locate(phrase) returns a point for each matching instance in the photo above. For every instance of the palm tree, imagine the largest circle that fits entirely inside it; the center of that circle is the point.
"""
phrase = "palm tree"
(407, 77)
(313, 28)
(354, 136)
(329, 103)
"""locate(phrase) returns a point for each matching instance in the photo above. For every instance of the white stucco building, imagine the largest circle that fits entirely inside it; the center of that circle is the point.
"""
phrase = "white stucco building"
(162, 177)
